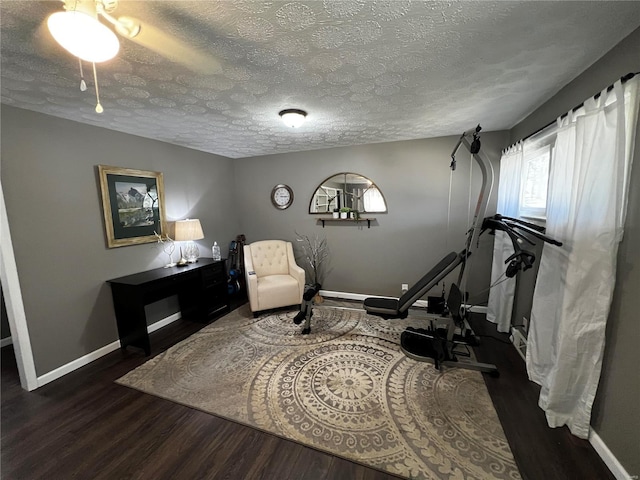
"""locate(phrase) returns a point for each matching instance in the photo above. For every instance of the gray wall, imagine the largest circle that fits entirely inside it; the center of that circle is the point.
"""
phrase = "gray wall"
(403, 244)
(615, 415)
(53, 203)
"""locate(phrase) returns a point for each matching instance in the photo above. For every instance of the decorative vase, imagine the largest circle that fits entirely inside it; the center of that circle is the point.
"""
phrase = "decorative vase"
(168, 248)
(343, 214)
(336, 214)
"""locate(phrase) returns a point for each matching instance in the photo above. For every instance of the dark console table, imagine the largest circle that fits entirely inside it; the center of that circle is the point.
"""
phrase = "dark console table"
(201, 288)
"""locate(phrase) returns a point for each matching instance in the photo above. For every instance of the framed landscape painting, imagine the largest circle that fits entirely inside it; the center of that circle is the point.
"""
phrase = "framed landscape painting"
(133, 205)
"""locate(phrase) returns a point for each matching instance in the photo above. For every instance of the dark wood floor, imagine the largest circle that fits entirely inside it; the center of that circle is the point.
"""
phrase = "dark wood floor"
(542, 453)
(85, 426)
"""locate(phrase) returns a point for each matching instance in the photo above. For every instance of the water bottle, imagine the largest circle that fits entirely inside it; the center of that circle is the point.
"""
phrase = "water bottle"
(216, 251)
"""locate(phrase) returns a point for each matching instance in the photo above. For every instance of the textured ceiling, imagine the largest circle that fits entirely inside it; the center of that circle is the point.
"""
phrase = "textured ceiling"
(366, 71)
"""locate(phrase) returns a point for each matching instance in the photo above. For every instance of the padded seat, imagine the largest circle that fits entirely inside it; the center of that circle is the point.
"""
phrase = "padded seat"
(399, 307)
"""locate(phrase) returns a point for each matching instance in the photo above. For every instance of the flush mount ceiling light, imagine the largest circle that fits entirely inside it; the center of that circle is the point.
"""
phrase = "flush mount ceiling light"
(293, 117)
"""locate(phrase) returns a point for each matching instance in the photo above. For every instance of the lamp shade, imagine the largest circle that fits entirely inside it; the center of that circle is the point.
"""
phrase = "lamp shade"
(189, 229)
(83, 36)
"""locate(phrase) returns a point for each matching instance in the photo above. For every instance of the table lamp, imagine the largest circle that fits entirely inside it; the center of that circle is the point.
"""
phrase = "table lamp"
(187, 231)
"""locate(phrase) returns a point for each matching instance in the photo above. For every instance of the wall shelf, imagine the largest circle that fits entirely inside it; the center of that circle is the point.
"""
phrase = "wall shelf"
(351, 220)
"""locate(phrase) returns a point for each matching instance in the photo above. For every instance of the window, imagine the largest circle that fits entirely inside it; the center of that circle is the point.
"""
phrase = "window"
(534, 182)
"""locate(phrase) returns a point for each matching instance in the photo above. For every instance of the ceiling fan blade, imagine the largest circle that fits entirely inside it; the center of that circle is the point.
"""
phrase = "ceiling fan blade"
(169, 47)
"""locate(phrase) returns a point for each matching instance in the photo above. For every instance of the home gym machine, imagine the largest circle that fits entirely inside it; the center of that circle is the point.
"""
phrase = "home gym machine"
(449, 336)
(398, 308)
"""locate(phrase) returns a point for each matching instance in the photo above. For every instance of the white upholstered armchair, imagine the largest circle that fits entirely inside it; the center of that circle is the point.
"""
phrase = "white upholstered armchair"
(273, 277)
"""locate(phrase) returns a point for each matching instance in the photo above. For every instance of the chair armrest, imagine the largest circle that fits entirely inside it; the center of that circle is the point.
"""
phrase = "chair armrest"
(251, 278)
(297, 272)
(294, 270)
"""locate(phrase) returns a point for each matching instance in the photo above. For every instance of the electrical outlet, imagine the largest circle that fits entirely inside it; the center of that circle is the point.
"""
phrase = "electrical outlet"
(405, 287)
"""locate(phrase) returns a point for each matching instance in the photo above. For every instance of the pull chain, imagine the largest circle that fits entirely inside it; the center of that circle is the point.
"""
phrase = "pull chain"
(99, 108)
(83, 84)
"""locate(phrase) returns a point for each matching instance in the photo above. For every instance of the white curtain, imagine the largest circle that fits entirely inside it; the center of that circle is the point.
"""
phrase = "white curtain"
(588, 184)
(502, 293)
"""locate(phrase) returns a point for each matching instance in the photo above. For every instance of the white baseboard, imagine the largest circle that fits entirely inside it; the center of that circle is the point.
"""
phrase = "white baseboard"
(77, 363)
(361, 297)
(520, 342)
(164, 322)
(101, 352)
(608, 457)
(6, 341)
(344, 295)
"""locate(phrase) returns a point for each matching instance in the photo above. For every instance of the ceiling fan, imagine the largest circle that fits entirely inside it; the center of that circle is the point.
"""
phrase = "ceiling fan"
(78, 29)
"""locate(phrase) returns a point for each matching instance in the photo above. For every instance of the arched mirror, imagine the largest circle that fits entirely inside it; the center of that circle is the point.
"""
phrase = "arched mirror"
(349, 190)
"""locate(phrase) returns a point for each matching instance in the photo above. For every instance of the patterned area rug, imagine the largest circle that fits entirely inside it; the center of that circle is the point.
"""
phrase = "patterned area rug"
(346, 389)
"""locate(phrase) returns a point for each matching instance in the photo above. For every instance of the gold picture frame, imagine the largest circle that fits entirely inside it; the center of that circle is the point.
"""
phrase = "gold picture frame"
(132, 204)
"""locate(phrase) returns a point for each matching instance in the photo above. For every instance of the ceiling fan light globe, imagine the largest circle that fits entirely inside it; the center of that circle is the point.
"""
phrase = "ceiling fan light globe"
(83, 36)
(293, 117)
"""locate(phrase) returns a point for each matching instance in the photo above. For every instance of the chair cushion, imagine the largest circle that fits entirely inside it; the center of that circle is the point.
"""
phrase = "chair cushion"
(277, 291)
(270, 258)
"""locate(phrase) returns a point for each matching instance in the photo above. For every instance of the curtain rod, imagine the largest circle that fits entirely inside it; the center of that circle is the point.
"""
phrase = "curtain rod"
(623, 79)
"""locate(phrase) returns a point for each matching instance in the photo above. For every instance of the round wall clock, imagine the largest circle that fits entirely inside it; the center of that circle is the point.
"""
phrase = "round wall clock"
(282, 196)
